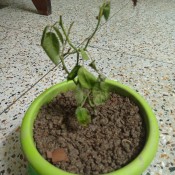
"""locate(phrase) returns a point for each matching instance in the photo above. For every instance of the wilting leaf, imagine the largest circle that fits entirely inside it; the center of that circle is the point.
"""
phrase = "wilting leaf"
(104, 86)
(92, 65)
(91, 103)
(79, 95)
(86, 79)
(100, 93)
(51, 46)
(44, 34)
(84, 55)
(59, 34)
(83, 116)
(61, 21)
(106, 10)
(99, 97)
(73, 73)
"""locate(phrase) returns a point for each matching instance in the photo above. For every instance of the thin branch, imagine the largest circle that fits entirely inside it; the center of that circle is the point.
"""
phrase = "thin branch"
(69, 53)
(63, 64)
(78, 58)
(84, 101)
(99, 20)
(66, 35)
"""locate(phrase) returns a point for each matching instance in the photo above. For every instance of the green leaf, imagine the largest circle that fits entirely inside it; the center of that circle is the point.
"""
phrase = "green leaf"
(44, 34)
(59, 34)
(79, 95)
(84, 54)
(100, 93)
(73, 73)
(106, 10)
(92, 65)
(91, 103)
(99, 96)
(61, 21)
(83, 116)
(104, 86)
(100, 12)
(86, 79)
(51, 46)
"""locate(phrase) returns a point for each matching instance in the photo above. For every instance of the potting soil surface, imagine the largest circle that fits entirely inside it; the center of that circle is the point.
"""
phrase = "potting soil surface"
(115, 136)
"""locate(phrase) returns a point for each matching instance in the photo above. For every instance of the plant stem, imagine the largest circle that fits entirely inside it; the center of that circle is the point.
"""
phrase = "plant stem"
(66, 35)
(69, 53)
(99, 20)
(63, 64)
(84, 101)
(55, 24)
(78, 57)
(65, 68)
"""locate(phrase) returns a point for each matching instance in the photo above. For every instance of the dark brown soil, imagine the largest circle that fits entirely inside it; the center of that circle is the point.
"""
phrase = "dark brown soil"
(115, 136)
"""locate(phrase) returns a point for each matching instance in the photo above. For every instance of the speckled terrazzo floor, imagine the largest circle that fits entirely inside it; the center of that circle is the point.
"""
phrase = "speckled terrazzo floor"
(138, 49)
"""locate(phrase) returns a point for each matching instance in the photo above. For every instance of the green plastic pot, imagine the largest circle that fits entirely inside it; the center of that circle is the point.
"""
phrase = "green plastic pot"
(39, 166)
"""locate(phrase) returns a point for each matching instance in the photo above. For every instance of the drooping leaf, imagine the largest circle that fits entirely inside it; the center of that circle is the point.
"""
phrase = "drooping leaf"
(92, 65)
(100, 13)
(83, 116)
(59, 34)
(104, 86)
(86, 79)
(91, 103)
(44, 34)
(84, 54)
(73, 73)
(99, 96)
(51, 46)
(79, 95)
(70, 27)
(61, 21)
(106, 10)
(100, 93)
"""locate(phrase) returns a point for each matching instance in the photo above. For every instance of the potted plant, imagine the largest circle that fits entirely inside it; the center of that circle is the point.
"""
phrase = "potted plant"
(92, 95)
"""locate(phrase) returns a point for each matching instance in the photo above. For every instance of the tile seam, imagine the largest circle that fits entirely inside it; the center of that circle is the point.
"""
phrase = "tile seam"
(126, 53)
(4, 110)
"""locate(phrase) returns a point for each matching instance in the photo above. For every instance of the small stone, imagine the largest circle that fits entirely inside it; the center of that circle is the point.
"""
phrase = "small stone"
(49, 154)
(59, 155)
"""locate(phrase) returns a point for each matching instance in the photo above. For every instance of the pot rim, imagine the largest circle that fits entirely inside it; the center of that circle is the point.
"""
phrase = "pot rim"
(43, 167)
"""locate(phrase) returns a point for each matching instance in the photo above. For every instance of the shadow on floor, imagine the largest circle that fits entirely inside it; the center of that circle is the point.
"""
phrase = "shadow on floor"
(3, 6)
(27, 9)
(22, 7)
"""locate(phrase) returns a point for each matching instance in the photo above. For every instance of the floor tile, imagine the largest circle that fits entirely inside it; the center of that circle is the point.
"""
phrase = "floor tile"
(152, 79)
(12, 161)
(83, 13)
(136, 38)
(146, 31)
(155, 81)
(20, 41)
(23, 62)
(22, 16)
